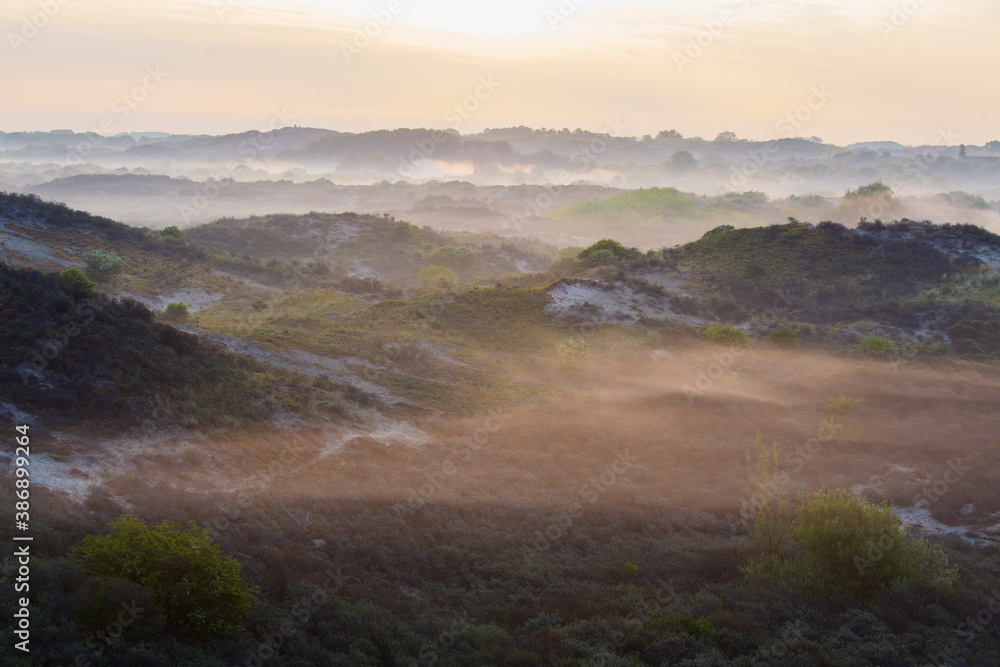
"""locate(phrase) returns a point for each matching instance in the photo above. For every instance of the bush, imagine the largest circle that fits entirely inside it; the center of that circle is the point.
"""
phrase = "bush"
(103, 267)
(195, 586)
(724, 334)
(435, 276)
(841, 543)
(784, 339)
(878, 345)
(75, 278)
(606, 251)
(176, 311)
(171, 232)
(841, 404)
(259, 305)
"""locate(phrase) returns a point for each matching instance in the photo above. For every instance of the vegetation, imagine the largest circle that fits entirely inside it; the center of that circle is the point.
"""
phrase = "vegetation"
(436, 277)
(196, 588)
(76, 279)
(104, 267)
(784, 339)
(176, 311)
(878, 345)
(724, 334)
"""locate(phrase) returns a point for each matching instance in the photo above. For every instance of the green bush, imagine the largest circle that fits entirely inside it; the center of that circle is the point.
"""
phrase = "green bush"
(876, 189)
(172, 232)
(176, 311)
(630, 569)
(103, 267)
(195, 586)
(841, 404)
(724, 334)
(878, 345)
(841, 543)
(784, 339)
(259, 305)
(75, 278)
(436, 277)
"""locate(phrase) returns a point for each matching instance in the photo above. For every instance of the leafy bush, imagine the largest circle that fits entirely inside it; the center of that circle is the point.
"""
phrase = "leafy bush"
(724, 334)
(878, 345)
(172, 232)
(259, 305)
(75, 278)
(436, 277)
(876, 189)
(195, 586)
(606, 251)
(630, 569)
(843, 544)
(176, 311)
(784, 339)
(104, 267)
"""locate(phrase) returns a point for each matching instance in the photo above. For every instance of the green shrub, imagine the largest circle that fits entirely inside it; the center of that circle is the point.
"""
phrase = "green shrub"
(630, 569)
(841, 404)
(878, 345)
(103, 267)
(172, 231)
(259, 305)
(436, 277)
(695, 625)
(724, 334)
(76, 278)
(876, 189)
(196, 587)
(718, 230)
(176, 311)
(784, 339)
(841, 543)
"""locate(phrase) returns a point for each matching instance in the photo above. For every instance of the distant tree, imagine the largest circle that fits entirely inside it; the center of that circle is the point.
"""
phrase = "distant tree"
(727, 136)
(76, 278)
(196, 586)
(171, 231)
(606, 251)
(669, 134)
(103, 267)
(961, 151)
(876, 189)
(683, 161)
(435, 277)
(993, 145)
(176, 311)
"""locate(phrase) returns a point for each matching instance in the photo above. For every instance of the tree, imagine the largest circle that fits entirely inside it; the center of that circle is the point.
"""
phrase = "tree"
(876, 189)
(961, 151)
(172, 231)
(196, 587)
(727, 136)
(176, 311)
(669, 134)
(683, 161)
(103, 267)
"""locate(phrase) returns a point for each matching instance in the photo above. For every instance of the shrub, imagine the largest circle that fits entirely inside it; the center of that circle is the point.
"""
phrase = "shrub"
(435, 276)
(876, 189)
(724, 334)
(606, 251)
(841, 404)
(259, 305)
(103, 267)
(172, 232)
(841, 543)
(195, 586)
(630, 569)
(784, 339)
(878, 345)
(75, 278)
(176, 311)
(573, 351)
(719, 230)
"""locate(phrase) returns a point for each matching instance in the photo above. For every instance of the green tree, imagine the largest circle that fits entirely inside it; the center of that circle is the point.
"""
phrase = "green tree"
(103, 267)
(196, 587)
(724, 334)
(683, 161)
(76, 278)
(172, 231)
(176, 311)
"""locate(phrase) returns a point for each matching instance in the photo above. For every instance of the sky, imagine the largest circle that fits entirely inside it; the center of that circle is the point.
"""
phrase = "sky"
(910, 71)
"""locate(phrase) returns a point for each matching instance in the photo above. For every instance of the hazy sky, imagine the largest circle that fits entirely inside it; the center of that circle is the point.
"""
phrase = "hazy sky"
(700, 67)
